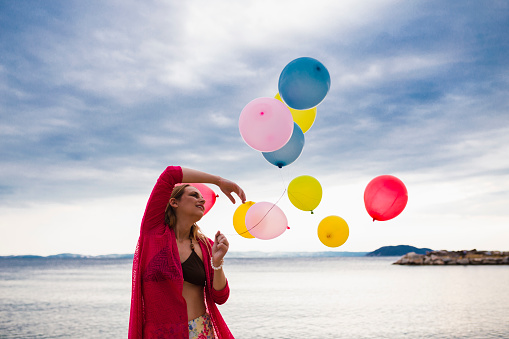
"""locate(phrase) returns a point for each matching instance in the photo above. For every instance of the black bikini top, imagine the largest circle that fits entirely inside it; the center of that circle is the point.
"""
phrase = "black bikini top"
(193, 269)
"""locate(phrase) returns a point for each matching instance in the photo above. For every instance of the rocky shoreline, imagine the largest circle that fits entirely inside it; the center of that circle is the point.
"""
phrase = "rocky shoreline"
(472, 257)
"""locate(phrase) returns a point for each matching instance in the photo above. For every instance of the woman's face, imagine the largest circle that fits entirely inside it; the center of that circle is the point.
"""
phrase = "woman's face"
(191, 202)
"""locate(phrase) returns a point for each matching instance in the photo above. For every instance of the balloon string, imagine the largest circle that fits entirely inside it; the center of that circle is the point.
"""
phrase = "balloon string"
(277, 201)
(270, 209)
(282, 179)
(284, 191)
(297, 198)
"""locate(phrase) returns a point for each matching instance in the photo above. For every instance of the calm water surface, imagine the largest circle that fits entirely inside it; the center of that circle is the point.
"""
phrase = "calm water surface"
(270, 298)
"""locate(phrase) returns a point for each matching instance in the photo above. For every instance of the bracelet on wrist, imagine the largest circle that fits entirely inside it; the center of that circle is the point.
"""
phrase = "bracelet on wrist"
(214, 267)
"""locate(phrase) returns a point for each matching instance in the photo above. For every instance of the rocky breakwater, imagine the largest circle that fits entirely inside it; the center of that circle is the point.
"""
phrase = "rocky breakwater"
(472, 257)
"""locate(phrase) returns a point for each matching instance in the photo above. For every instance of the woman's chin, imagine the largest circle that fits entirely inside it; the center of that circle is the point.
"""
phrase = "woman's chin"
(199, 215)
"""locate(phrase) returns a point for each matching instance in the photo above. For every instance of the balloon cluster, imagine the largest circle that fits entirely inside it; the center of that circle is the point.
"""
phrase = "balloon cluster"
(276, 127)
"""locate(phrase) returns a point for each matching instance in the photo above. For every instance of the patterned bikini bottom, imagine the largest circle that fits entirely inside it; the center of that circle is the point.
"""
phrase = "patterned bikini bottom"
(201, 328)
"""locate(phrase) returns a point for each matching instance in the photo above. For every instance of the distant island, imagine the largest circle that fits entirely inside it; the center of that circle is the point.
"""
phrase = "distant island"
(396, 251)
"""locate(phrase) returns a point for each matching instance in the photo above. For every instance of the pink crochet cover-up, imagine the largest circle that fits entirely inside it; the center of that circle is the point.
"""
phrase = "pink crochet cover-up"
(158, 309)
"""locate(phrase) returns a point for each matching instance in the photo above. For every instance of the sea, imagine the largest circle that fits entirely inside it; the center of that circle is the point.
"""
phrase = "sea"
(304, 297)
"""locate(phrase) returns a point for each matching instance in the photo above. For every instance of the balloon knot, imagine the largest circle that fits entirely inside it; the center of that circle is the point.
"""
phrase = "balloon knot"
(312, 212)
(374, 219)
(261, 113)
(287, 227)
(217, 195)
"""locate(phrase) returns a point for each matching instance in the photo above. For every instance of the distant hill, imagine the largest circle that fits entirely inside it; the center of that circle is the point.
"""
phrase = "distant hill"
(393, 251)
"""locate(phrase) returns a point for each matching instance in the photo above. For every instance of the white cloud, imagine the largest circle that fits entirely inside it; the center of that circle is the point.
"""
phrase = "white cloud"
(222, 120)
(369, 73)
(136, 51)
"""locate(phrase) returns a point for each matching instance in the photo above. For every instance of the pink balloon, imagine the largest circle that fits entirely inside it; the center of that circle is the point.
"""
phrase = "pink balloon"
(385, 197)
(264, 220)
(208, 194)
(266, 124)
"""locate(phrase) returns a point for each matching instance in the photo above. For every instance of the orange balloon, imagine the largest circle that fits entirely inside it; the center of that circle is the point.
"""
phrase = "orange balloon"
(239, 219)
(333, 231)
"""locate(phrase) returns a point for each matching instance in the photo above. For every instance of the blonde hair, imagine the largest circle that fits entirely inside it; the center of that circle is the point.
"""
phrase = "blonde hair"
(170, 217)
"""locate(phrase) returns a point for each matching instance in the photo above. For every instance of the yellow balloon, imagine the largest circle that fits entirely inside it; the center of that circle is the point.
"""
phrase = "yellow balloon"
(239, 219)
(305, 192)
(303, 118)
(333, 231)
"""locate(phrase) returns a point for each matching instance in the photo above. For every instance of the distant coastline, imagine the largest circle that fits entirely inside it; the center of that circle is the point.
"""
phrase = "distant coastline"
(382, 251)
(409, 255)
(232, 255)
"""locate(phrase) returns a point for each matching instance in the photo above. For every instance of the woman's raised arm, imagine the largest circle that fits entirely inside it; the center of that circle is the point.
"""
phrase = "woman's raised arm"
(226, 186)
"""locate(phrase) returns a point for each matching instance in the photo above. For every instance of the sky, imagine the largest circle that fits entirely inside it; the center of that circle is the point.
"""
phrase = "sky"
(98, 97)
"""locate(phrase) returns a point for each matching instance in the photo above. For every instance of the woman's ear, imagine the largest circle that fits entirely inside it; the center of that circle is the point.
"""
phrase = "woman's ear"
(174, 202)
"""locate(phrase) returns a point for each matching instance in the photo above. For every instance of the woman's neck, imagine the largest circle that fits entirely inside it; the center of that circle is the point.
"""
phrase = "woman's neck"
(182, 232)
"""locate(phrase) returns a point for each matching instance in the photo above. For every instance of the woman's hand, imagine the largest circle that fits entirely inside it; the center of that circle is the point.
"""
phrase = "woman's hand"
(228, 187)
(219, 248)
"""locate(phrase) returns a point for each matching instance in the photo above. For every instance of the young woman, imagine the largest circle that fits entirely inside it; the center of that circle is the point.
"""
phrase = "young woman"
(177, 271)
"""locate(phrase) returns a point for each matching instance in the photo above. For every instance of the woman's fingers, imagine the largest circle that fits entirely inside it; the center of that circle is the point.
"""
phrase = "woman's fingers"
(221, 244)
(227, 187)
(221, 239)
(242, 195)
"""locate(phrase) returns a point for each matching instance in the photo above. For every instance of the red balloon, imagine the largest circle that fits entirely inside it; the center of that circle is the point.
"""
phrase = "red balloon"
(208, 194)
(385, 197)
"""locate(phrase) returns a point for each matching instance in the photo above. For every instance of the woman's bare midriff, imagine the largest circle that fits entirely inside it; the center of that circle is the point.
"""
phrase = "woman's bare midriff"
(193, 294)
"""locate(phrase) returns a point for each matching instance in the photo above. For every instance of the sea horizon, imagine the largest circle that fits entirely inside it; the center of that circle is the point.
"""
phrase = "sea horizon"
(384, 251)
(233, 255)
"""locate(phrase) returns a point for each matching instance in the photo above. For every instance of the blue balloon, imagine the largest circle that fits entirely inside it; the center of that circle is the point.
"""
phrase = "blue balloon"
(289, 152)
(304, 83)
